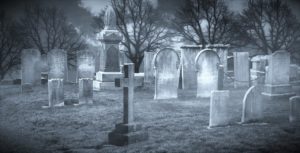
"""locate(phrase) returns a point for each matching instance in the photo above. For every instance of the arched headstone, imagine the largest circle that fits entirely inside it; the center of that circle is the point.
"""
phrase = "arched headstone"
(166, 67)
(252, 104)
(207, 62)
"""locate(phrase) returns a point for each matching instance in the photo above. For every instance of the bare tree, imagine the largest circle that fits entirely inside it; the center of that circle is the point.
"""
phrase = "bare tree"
(270, 25)
(47, 28)
(138, 21)
(10, 45)
(206, 22)
(98, 21)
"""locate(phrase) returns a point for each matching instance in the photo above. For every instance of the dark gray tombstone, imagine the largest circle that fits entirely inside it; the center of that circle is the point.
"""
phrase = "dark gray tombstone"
(252, 105)
(218, 114)
(294, 109)
(31, 72)
(207, 66)
(166, 67)
(127, 132)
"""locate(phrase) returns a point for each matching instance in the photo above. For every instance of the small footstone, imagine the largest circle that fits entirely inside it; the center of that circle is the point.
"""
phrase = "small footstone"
(294, 109)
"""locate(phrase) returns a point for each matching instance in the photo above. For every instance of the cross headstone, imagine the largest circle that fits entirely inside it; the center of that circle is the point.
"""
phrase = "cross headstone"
(218, 114)
(208, 78)
(252, 105)
(241, 69)
(166, 67)
(127, 132)
(294, 109)
(30, 68)
(86, 70)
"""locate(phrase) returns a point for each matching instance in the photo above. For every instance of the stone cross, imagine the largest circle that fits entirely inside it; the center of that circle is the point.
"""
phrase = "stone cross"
(127, 132)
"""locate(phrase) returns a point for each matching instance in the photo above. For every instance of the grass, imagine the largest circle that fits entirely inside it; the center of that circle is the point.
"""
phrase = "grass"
(176, 125)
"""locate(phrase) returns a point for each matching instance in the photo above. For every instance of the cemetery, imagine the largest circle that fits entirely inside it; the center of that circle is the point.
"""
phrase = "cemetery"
(122, 96)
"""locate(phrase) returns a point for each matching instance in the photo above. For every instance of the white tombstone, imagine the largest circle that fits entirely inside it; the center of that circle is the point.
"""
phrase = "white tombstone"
(294, 109)
(241, 69)
(148, 67)
(188, 54)
(166, 67)
(207, 62)
(218, 114)
(56, 61)
(252, 105)
(30, 67)
(277, 82)
(86, 70)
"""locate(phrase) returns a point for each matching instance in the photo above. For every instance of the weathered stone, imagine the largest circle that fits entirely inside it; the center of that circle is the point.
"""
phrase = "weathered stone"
(55, 92)
(30, 67)
(241, 69)
(57, 62)
(294, 109)
(207, 63)
(148, 67)
(252, 105)
(166, 67)
(222, 50)
(86, 64)
(85, 91)
(218, 115)
(277, 77)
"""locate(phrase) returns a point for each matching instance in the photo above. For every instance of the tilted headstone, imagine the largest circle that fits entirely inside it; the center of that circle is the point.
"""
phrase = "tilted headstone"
(166, 67)
(148, 67)
(277, 79)
(207, 65)
(252, 105)
(294, 109)
(56, 61)
(30, 67)
(241, 69)
(127, 132)
(218, 114)
(189, 76)
(86, 70)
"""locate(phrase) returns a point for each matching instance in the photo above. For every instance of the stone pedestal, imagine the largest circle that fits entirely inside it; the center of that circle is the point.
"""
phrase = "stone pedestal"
(282, 90)
(125, 134)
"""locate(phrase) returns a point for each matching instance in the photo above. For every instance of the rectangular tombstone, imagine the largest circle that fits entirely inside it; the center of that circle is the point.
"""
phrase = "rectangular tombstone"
(86, 91)
(241, 69)
(86, 64)
(55, 92)
(30, 67)
(166, 66)
(208, 79)
(148, 67)
(218, 115)
(277, 78)
(189, 76)
(294, 109)
(252, 105)
(57, 64)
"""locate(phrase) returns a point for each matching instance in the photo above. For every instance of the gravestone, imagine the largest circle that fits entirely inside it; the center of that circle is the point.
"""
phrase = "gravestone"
(258, 72)
(148, 67)
(56, 61)
(241, 69)
(189, 76)
(218, 114)
(207, 63)
(222, 50)
(110, 38)
(294, 109)
(252, 104)
(166, 67)
(30, 67)
(277, 79)
(127, 132)
(86, 70)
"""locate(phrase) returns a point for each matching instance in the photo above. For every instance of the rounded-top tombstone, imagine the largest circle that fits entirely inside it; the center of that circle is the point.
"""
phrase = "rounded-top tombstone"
(110, 19)
(207, 62)
(166, 65)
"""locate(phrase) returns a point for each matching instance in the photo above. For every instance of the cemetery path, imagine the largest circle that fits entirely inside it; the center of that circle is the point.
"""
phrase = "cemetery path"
(175, 125)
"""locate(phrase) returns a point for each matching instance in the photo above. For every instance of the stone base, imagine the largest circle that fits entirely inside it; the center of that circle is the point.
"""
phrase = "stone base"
(284, 90)
(125, 134)
(108, 76)
(97, 85)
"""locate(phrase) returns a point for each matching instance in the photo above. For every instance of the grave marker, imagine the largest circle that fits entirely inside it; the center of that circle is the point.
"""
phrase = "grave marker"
(218, 115)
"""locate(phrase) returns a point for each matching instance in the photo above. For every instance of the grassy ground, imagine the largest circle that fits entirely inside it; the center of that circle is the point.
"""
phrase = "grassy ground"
(177, 125)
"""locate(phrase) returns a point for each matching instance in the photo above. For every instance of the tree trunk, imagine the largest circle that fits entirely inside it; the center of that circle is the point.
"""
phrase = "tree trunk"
(136, 67)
